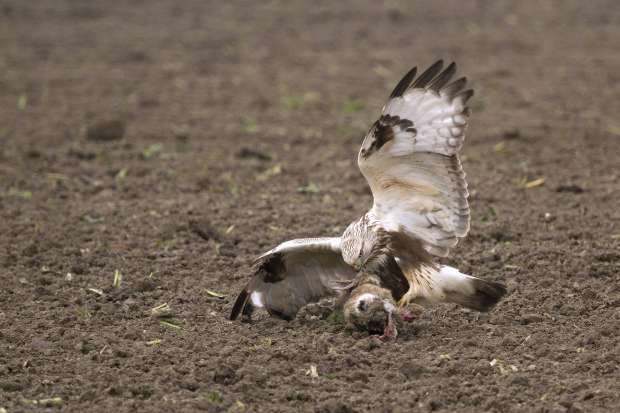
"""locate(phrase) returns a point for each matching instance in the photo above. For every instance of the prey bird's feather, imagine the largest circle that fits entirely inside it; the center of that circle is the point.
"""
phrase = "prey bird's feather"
(294, 274)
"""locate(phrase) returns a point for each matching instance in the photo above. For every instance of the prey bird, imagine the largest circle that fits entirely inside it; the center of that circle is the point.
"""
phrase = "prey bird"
(386, 259)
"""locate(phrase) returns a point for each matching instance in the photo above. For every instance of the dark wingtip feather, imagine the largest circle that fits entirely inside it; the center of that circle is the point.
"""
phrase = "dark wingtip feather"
(404, 83)
(239, 305)
(465, 95)
(443, 78)
(455, 87)
(429, 74)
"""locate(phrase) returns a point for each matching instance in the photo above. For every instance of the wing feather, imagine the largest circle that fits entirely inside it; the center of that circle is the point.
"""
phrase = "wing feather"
(423, 80)
(443, 78)
(404, 83)
(410, 159)
(294, 274)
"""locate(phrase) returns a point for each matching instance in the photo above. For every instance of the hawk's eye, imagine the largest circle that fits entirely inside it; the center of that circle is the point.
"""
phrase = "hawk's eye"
(362, 305)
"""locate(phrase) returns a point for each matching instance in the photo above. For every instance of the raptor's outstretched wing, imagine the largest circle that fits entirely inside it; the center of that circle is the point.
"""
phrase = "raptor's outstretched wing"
(410, 159)
(294, 274)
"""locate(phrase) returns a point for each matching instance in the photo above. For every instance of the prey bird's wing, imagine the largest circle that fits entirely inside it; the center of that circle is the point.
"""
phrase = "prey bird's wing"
(294, 274)
(410, 159)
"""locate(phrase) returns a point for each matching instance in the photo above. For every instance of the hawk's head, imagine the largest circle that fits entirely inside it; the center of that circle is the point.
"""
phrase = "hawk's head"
(359, 241)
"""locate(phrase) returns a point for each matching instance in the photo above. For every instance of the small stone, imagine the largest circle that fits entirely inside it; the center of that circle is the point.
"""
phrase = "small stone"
(558, 409)
(180, 132)
(512, 134)
(322, 344)
(11, 386)
(189, 384)
(412, 370)
(30, 250)
(433, 405)
(106, 131)
(482, 367)
(144, 285)
(359, 376)
(114, 391)
(204, 229)
(520, 381)
(531, 318)
(334, 406)
(369, 343)
(225, 375)
(121, 353)
(88, 395)
(227, 250)
(245, 153)
(84, 347)
(572, 188)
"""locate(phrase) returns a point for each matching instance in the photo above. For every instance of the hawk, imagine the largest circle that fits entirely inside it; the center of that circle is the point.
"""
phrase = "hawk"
(386, 259)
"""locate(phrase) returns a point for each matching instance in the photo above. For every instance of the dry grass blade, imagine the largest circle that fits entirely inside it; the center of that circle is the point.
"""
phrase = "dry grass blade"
(503, 367)
(162, 310)
(312, 372)
(95, 290)
(534, 183)
(169, 324)
(215, 294)
(273, 171)
(118, 279)
(51, 402)
(311, 188)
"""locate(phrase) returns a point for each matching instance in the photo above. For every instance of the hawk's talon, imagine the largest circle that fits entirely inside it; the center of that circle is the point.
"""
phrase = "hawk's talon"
(407, 316)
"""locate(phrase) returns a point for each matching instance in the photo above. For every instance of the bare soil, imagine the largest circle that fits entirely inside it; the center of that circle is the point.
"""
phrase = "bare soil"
(175, 141)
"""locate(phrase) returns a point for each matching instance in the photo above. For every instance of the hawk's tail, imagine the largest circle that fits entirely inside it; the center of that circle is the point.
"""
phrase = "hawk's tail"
(468, 291)
(447, 284)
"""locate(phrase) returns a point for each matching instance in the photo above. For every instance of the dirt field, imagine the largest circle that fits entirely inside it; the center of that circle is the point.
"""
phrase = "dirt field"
(173, 142)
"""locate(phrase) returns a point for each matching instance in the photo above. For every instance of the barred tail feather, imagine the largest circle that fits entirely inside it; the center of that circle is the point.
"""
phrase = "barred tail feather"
(468, 291)
(443, 284)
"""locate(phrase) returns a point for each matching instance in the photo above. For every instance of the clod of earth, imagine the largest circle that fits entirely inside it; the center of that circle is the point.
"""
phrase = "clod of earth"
(106, 131)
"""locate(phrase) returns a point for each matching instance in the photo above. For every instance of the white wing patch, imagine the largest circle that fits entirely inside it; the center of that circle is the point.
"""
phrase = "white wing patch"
(439, 122)
(257, 299)
(410, 159)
